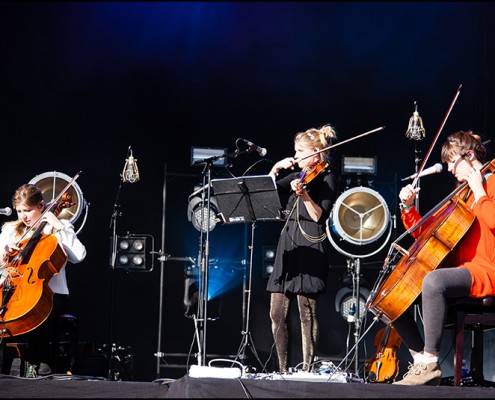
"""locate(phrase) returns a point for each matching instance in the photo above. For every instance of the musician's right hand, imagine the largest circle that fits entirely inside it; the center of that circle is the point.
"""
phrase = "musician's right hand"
(9, 250)
(286, 163)
(407, 195)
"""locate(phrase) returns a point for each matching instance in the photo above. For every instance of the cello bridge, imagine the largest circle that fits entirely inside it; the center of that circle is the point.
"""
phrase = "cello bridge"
(400, 249)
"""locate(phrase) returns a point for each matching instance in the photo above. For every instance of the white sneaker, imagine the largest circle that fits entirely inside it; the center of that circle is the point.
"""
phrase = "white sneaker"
(44, 369)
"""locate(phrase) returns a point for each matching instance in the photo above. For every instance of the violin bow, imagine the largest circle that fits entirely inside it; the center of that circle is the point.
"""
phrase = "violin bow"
(340, 143)
(421, 167)
(394, 246)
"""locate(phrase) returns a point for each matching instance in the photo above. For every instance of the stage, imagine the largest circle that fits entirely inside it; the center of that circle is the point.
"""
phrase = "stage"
(62, 386)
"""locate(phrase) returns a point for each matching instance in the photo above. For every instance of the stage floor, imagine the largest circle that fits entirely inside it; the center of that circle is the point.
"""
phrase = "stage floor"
(189, 387)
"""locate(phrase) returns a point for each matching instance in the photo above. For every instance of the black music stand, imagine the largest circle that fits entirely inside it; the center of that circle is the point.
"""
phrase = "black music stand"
(242, 200)
(247, 199)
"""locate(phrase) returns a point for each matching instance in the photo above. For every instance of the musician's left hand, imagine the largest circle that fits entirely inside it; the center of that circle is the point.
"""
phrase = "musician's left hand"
(475, 182)
(52, 219)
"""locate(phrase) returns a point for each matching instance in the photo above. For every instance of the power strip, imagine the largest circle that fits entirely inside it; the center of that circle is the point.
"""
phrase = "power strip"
(302, 376)
(197, 371)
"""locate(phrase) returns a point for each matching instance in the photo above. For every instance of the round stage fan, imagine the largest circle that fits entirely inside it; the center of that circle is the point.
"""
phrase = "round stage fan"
(51, 184)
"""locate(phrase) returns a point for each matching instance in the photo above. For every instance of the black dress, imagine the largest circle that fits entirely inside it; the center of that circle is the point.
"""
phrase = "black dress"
(302, 262)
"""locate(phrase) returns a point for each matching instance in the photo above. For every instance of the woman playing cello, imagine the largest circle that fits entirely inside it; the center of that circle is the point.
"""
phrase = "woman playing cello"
(469, 269)
(30, 206)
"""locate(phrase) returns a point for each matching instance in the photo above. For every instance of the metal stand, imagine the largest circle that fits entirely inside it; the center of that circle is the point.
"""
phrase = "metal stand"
(203, 264)
(163, 257)
(247, 339)
(417, 163)
(354, 265)
(242, 200)
(354, 259)
(113, 226)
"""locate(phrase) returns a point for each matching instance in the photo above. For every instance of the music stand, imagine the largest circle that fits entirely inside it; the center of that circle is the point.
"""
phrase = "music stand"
(247, 199)
(241, 200)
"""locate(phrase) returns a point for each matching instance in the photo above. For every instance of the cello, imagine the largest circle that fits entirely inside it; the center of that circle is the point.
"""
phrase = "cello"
(26, 298)
(447, 224)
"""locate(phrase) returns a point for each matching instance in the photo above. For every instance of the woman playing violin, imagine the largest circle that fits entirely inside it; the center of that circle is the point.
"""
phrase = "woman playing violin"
(30, 206)
(469, 269)
(302, 258)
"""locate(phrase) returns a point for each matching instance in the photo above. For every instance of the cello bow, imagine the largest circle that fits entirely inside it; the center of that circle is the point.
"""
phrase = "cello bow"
(428, 153)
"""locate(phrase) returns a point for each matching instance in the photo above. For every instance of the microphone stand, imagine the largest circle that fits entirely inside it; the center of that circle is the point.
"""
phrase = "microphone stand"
(357, 317)
(129, 174)
(416, 132)
(204, 259)
(204, 253)
(417, 162)
(113, 226)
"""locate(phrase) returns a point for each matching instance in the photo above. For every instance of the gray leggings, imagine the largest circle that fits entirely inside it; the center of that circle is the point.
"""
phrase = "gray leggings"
(438, 286)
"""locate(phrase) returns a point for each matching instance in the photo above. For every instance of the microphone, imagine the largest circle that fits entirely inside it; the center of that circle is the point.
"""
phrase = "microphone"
(261, 150)
(130, 173)
(435, 169)
(415, 129)
(6, 211)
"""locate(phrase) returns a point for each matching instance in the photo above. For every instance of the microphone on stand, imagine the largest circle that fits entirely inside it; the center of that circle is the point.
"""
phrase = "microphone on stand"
(435, 169)
(415, 129)
(130, 173)
(6, 211)
(260, 150)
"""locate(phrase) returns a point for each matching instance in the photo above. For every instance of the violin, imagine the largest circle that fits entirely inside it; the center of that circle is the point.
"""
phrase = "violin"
(311, 172)
(384, 365)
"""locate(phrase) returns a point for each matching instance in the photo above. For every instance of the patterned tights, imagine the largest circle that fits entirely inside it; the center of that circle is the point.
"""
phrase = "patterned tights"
(279, 309)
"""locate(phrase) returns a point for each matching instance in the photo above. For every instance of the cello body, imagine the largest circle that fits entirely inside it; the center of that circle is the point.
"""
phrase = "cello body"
(404, 283)
(26, 298)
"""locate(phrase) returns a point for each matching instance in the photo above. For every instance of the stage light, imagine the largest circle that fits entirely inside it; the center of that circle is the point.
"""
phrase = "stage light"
(360, 216)
(200, 155)
(51, 185)
(359, 165)
(203, 217)
(192, 276)
(133, 252)
(346, 304)
(268, 260)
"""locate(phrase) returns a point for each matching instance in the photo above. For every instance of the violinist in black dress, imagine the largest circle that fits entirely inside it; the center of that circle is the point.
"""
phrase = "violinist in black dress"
(302, 258)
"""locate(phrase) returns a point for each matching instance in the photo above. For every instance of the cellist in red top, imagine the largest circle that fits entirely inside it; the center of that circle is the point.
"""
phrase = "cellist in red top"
(469, 269)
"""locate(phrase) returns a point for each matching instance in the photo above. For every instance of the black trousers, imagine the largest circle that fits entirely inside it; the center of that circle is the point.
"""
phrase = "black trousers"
(39, 339)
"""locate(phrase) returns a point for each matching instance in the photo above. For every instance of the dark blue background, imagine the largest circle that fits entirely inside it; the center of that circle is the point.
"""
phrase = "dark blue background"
(83, 81)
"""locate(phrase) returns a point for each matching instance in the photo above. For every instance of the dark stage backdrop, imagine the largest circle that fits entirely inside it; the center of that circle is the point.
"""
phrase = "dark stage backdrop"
(83, 81)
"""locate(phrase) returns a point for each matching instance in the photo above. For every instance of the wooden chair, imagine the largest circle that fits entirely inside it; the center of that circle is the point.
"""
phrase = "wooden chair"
(477, 316)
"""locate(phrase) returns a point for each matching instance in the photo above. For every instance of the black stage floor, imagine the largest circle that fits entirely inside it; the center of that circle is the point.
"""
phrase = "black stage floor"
(189, 387)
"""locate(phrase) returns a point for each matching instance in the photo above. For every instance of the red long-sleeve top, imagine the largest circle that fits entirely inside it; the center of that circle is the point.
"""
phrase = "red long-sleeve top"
(476, 249)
